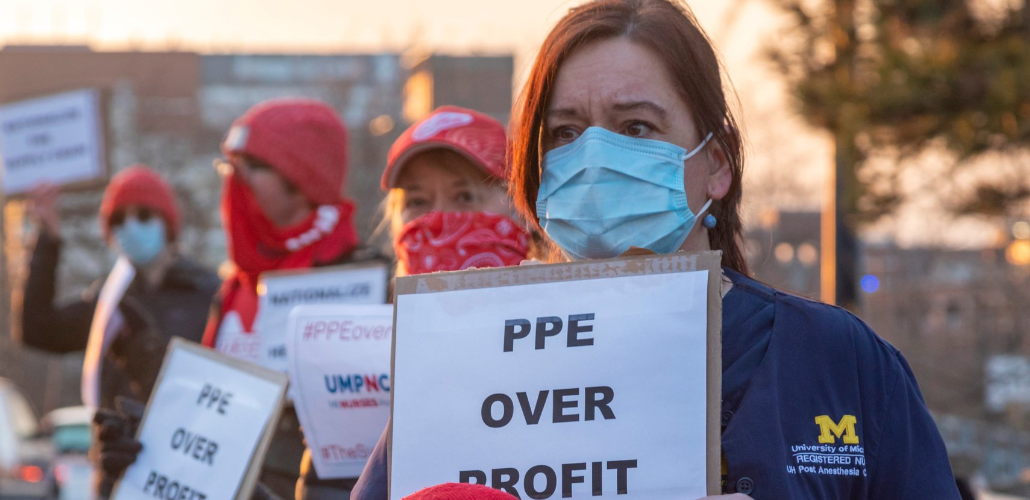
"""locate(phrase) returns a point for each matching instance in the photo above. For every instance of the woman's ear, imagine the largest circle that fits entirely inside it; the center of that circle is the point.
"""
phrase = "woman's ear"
(720, 173)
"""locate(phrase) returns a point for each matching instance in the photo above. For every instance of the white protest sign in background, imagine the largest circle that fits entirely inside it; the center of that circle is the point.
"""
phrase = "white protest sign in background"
(280, 292)
(54, 139)
(202, 427)
(339, 358)
(581, 388)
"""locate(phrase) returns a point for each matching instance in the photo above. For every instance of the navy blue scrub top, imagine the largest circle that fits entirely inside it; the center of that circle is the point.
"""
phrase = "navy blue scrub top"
(815, 406)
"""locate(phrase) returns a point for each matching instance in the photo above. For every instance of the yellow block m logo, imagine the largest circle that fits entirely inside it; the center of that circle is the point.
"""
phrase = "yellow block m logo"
(828, 429)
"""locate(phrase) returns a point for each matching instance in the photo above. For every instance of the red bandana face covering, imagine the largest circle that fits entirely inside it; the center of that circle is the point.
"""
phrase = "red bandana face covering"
(256, 245)
(452, 241)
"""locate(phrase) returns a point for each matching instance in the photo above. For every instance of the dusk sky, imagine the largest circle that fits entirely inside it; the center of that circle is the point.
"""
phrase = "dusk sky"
(787, 162)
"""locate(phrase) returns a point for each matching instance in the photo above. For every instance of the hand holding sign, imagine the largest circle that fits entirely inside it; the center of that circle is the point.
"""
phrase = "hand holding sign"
(43, 199)
(206, 429)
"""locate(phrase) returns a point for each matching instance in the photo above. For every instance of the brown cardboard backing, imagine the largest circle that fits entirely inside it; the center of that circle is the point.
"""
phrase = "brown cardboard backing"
(600, 269)
(250, 478)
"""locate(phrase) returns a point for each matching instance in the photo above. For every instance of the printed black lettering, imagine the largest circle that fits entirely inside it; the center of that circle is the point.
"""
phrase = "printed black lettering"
(466, 476)
(542, 481)
(622, 467)
(575, 329)
(532, 416)
(204, 392)
(214, 396)
(560, 404)
(505, 479)
(507, 411)
(194, 445)
(568, 479)
(510, 334)
(550, 482)
(599, 398)
(547, 326)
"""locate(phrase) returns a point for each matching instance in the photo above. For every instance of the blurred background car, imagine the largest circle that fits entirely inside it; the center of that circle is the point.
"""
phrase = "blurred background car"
(25, 454)
(69, 432)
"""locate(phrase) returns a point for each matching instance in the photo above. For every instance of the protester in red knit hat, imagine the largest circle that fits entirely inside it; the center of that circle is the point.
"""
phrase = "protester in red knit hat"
(165, 294)
(283, 208)
(460, 491)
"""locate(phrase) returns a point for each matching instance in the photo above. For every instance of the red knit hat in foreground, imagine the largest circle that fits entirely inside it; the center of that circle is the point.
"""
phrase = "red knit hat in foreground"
(459, 491)
(302, 139)
(139, 185)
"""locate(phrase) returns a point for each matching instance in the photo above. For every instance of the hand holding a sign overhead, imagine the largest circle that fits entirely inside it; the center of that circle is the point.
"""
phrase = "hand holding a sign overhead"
(44, 198)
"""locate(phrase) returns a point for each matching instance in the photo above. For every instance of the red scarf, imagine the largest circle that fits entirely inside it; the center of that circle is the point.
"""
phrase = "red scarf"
(256, 246)
(452, 241)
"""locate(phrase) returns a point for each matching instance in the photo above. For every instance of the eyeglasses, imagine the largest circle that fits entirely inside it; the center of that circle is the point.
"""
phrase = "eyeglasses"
(141, 214)
(245, 166)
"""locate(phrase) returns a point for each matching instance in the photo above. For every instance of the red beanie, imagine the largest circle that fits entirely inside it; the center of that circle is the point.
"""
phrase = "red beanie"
(459, 491)
(303, 139)
(139, 185)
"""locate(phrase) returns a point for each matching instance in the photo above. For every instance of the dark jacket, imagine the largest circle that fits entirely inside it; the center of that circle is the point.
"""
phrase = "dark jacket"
(831, 411)
(178, 307)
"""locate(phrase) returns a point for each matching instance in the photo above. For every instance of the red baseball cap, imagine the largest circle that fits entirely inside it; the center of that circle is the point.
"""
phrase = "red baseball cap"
(459, 491)
(472, 134)
(302, 139)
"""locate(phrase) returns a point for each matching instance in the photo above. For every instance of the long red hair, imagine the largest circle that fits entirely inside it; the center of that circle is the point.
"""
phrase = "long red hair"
(668, 28)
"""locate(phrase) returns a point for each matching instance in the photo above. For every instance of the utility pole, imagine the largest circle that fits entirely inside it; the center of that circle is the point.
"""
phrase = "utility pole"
(839, 267)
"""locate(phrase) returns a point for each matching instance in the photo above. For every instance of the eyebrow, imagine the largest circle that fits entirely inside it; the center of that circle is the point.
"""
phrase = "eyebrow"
(562, 113)
(645, 105)
(619, 106)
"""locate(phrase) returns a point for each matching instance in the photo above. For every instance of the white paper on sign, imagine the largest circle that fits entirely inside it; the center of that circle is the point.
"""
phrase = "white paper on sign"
(339, 359)
(107, 322)
(633, 399)
(203, 424)
(56, 138)
(279, 293)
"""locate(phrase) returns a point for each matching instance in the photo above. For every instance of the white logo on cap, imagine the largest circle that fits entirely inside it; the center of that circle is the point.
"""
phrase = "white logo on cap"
(439, 123)
(236, 140)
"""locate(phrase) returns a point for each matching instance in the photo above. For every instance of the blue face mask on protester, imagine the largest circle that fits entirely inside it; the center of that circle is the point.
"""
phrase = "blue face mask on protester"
(141, 241)
(606, 192)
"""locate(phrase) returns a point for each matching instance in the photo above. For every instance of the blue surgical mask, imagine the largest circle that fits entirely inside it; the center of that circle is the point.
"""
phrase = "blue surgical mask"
(606, 192)
(140, 241)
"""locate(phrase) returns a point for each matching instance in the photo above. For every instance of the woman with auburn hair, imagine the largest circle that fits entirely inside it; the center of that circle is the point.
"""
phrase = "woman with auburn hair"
(623, 138)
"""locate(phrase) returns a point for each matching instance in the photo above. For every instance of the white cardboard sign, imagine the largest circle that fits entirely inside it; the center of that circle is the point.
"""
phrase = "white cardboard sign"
(206, 428)
(591, 388)
(55, 139)
(280, 292)
(339, 358)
